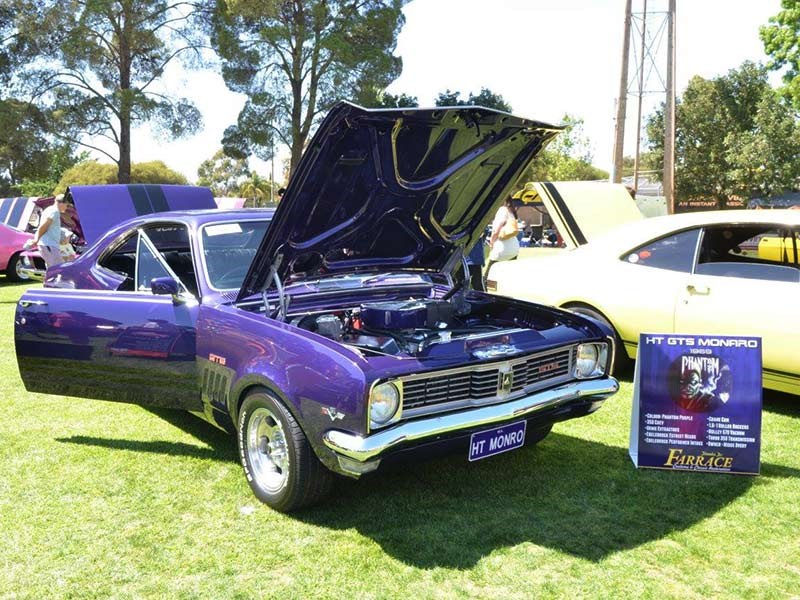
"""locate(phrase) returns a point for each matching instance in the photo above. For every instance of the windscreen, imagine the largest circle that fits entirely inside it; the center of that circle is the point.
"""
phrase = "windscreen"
(228, 250)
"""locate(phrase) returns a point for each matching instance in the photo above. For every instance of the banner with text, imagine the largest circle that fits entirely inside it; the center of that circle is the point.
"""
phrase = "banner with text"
(697, 403)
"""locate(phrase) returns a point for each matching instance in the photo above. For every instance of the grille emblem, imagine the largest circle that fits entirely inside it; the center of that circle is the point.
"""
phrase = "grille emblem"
(506, 381)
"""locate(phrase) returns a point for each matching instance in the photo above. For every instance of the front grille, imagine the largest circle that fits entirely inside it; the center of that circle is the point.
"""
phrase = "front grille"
(540, 368)
(421, 393)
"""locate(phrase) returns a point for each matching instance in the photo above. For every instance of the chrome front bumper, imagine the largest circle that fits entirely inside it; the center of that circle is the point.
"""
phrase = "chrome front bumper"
(364, 449)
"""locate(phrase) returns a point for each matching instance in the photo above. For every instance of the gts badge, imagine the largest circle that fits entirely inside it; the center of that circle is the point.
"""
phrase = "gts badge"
(332, 413)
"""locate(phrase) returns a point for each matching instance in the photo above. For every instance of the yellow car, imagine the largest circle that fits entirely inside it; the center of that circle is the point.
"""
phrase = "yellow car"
(724, 272)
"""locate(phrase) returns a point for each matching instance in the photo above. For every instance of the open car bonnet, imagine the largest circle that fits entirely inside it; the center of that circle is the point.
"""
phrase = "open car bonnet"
(396, 189)
(101, 207)
(582, 210)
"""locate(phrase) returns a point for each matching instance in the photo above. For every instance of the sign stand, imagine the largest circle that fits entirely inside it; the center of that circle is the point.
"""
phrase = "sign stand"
(697, 403)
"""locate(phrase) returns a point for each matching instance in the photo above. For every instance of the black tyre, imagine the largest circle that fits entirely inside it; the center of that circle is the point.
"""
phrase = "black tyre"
(12, 271)
(534, 436)
(277, 459)
(621, 361)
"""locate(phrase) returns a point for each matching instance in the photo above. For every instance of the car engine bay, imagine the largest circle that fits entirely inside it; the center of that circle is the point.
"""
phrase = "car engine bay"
(408, 327)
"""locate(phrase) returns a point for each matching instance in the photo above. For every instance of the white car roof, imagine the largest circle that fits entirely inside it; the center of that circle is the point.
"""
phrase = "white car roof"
(630, 235)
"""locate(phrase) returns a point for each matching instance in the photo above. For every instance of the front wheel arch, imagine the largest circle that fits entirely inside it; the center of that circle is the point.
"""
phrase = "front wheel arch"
(279, 464)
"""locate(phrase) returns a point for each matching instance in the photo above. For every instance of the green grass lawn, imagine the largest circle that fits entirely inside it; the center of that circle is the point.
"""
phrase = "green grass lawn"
(100, 500)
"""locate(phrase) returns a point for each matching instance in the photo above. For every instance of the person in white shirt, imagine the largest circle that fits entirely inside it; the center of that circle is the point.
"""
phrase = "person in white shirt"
(48, 234)
(504, 243)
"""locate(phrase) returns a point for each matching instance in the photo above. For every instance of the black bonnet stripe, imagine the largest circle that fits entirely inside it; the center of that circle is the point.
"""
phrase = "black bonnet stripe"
(141, 203)
(157, 198)
(568, 217)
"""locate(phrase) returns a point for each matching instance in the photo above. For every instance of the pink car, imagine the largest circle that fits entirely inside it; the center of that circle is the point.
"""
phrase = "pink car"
(19, 218)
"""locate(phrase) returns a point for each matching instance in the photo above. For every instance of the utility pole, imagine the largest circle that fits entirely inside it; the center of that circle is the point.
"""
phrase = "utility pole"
(641, 96)
(622, 99)
(669, 115)
(650, 25)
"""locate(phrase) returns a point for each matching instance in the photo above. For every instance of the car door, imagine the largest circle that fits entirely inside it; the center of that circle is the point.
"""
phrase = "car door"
(128, 344)
(742, 286)
(645, 283)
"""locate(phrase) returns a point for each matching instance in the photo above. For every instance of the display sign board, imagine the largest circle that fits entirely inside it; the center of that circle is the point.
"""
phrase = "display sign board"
(697, 403)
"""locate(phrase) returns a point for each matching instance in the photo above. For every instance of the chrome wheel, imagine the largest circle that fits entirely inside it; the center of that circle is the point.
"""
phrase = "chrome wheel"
(21, 275)
(267, 450)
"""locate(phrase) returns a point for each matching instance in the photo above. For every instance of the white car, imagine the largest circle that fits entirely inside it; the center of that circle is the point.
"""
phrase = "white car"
(724, 272)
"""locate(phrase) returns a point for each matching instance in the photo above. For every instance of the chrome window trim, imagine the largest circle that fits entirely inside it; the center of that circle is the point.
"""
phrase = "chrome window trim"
(114, 245)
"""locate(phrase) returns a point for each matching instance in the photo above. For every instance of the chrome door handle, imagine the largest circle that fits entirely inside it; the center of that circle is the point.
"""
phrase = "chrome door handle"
(700, 290)
(27, 303)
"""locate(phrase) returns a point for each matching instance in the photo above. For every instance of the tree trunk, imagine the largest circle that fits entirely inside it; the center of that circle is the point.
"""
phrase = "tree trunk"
(124, 165)
(125, 59)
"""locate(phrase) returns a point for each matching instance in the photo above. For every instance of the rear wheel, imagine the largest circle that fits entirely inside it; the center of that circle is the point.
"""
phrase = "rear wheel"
(277, 459)
(621, 360)
(13, 271)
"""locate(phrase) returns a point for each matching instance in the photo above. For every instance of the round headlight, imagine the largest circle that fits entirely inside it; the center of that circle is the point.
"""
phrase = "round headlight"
(383, 403)
(586, 360)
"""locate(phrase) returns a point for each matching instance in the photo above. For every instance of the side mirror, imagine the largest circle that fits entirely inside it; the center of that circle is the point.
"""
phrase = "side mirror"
(164, 286)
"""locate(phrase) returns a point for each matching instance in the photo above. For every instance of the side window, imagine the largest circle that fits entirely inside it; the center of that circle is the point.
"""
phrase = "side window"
(750, 251)
(148, 267)
(673, 253)
(123, 262)
(171, 241)
(160, 250)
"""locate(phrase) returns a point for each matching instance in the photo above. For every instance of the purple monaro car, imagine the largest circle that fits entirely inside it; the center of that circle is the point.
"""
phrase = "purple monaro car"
(330, 336)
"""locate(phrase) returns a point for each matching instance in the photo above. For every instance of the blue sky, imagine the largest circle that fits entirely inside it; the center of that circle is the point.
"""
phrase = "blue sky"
(546, 57)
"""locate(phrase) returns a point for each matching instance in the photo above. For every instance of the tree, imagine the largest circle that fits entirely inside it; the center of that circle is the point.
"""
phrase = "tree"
(764, 159)
(782, 44)
(258, 190)
(647, 162)
(567, 158)
(385, 100)
(98, 61)
(92, 172)
(721, 124)
(485, 98)
(16, 48)
(223, 174)
(30, 163)
(294, 59)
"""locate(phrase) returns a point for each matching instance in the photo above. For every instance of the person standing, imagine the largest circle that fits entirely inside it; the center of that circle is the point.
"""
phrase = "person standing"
(48, 234)
(504, 243)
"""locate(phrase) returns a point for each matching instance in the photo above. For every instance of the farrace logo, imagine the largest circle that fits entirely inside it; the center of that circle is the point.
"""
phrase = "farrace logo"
(705, 461)
(700, 383)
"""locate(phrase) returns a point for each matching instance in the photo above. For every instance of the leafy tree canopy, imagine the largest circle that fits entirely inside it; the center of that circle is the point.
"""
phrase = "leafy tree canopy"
(567, 158)
(294, 59)
(734, 138)
(485, 98)
(259, 191)
(92, 172)
(97, 63)
(385, 100)
(223, 174)
(782, 44)
(30, 163)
